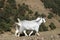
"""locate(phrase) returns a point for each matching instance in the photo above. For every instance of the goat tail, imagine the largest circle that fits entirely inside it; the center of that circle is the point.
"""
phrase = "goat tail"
(16, 25)
(18, 20)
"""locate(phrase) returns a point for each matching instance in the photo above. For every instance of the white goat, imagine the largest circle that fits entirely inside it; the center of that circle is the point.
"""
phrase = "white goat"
(29, 25)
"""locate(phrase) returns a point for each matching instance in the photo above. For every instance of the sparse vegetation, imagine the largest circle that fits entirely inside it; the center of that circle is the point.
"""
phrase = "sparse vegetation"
(52, 26)
(5, 26)
(43, 27)
(2, 3)
(43, 15)
(50, 16)
(12, 3)
(36, 14)
(54, 4)
(30, 11)
(24, 11)
(9, 14)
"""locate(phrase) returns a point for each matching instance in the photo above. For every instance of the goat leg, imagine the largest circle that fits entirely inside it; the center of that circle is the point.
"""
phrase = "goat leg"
(30, 33)
(25, 33)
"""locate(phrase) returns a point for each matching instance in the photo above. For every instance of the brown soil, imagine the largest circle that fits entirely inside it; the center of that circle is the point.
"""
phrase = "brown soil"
(48, 35)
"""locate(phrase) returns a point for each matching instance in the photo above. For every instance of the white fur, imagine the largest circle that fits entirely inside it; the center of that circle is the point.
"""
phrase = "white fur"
(29, 25)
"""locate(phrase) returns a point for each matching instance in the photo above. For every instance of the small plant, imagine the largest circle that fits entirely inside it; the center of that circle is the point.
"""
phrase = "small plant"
(30, 11)
(23, 9)
(1, 3)
(52, 26)
(43, 27)
(50, 16)
(5, 26)
(37, 14)
(43, 15)
(54, 4)
(12, 3)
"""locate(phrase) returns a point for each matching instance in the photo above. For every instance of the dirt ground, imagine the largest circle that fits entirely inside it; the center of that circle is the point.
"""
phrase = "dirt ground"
(48, 35)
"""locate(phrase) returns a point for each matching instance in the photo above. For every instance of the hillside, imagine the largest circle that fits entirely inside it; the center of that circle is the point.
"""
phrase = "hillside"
(34, 5)
(37, 5)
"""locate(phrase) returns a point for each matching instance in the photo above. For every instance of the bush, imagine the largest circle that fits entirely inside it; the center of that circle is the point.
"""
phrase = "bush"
(1, 3)
(23, 8)
(43, 27)
(5, 26)
(43, 15)
(12, 3)
(7, 9)
(54, 4)
(23, 17)
(52, 26)
(30, 11)
(36, 14)
(50, 16)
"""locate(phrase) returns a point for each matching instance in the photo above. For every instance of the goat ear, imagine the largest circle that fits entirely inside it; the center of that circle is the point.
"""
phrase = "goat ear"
(18, 19)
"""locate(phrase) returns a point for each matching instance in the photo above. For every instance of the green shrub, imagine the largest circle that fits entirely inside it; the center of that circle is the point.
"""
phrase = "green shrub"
(12, 3)
(2, 3)
(54, 4)
(36, 14)
(50, 16)
(23, 8)
(7, 10)
(43, 15)
(5, 26)
(52, 26)
(43, 27)
(23, 17)
(30, 11)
